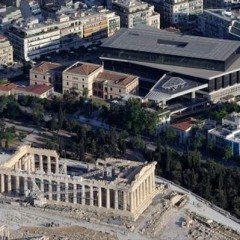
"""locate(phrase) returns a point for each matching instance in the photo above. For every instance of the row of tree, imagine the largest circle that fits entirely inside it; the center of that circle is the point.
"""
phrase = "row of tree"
(132, 117)
(211, 180)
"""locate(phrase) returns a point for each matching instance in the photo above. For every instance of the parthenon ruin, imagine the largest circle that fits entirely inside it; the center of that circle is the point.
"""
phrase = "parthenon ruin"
(123, 187)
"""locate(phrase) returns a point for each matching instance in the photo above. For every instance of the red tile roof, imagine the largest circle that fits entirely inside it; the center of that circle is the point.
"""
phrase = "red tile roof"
(37, 89)
(117, 78)
(83, 68)
(7, 87)
(185, 125)
(46, 66)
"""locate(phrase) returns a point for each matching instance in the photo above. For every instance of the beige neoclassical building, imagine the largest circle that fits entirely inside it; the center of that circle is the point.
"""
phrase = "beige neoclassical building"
(6, 51)
(123, 187)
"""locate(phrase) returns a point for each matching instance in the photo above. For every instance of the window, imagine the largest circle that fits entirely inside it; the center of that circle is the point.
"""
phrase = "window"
(110, 89)
(35, 76)
(75, 85)
(82, 86)
(120, 90)
(67, 83)
(44, 77)
(83, 79)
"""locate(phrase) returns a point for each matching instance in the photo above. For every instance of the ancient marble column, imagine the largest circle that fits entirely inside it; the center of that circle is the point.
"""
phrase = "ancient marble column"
(2, 183)
(116, 199)
(99, 197)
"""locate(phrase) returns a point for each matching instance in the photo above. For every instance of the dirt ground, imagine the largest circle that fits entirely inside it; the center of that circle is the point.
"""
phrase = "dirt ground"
(61, 233)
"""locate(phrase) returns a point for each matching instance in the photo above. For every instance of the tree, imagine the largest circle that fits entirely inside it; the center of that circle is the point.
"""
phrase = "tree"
(85, 92)
(61, 116)
(227, 153)
(81, 152)
(170, 135)
(9, 135)
(38, 112)
(3, 103)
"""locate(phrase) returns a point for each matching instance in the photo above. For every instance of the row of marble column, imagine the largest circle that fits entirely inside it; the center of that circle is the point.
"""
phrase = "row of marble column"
(84, 194)
(54, 191)
(141, 193)
(81, 193)
(28, 164)
(11, 183)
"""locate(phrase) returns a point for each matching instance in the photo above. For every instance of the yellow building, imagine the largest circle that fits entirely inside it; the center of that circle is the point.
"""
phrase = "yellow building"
(6, 51)
(80, 76)
(47, 73)
(109, 84)
(94, 80)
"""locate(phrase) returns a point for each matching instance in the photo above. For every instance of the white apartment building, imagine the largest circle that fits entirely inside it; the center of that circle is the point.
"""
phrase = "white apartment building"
(31, 39)
(86, 26)
(6, 51)
(8, 15)
(178, 12)
(134, 12)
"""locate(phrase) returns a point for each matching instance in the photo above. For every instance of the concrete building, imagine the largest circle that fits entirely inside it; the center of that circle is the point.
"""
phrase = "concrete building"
(183, 129)
(31, 39)
(228, 134)
(6, 51)
(134, 12)
(93, 79)
(221, 4)
(11, 3)
(181, 12)
(30, 8)
(47, 73)
(99, 23)
(219, 23)
(78, 28)
(8, 15)
(150, 53)
(122, 187)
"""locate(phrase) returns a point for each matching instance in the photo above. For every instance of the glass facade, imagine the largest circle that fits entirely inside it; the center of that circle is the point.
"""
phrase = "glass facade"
(164, 59)
(224, 81)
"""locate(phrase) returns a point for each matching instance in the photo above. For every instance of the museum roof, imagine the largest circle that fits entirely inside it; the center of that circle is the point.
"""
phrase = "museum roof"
(147, 39)
(169, 87)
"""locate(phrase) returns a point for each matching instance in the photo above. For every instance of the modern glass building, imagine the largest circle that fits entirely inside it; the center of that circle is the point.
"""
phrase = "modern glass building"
(149, 53)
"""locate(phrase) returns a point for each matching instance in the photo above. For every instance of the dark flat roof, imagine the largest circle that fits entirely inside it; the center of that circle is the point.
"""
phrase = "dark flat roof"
(147, 39)
(194, 72)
